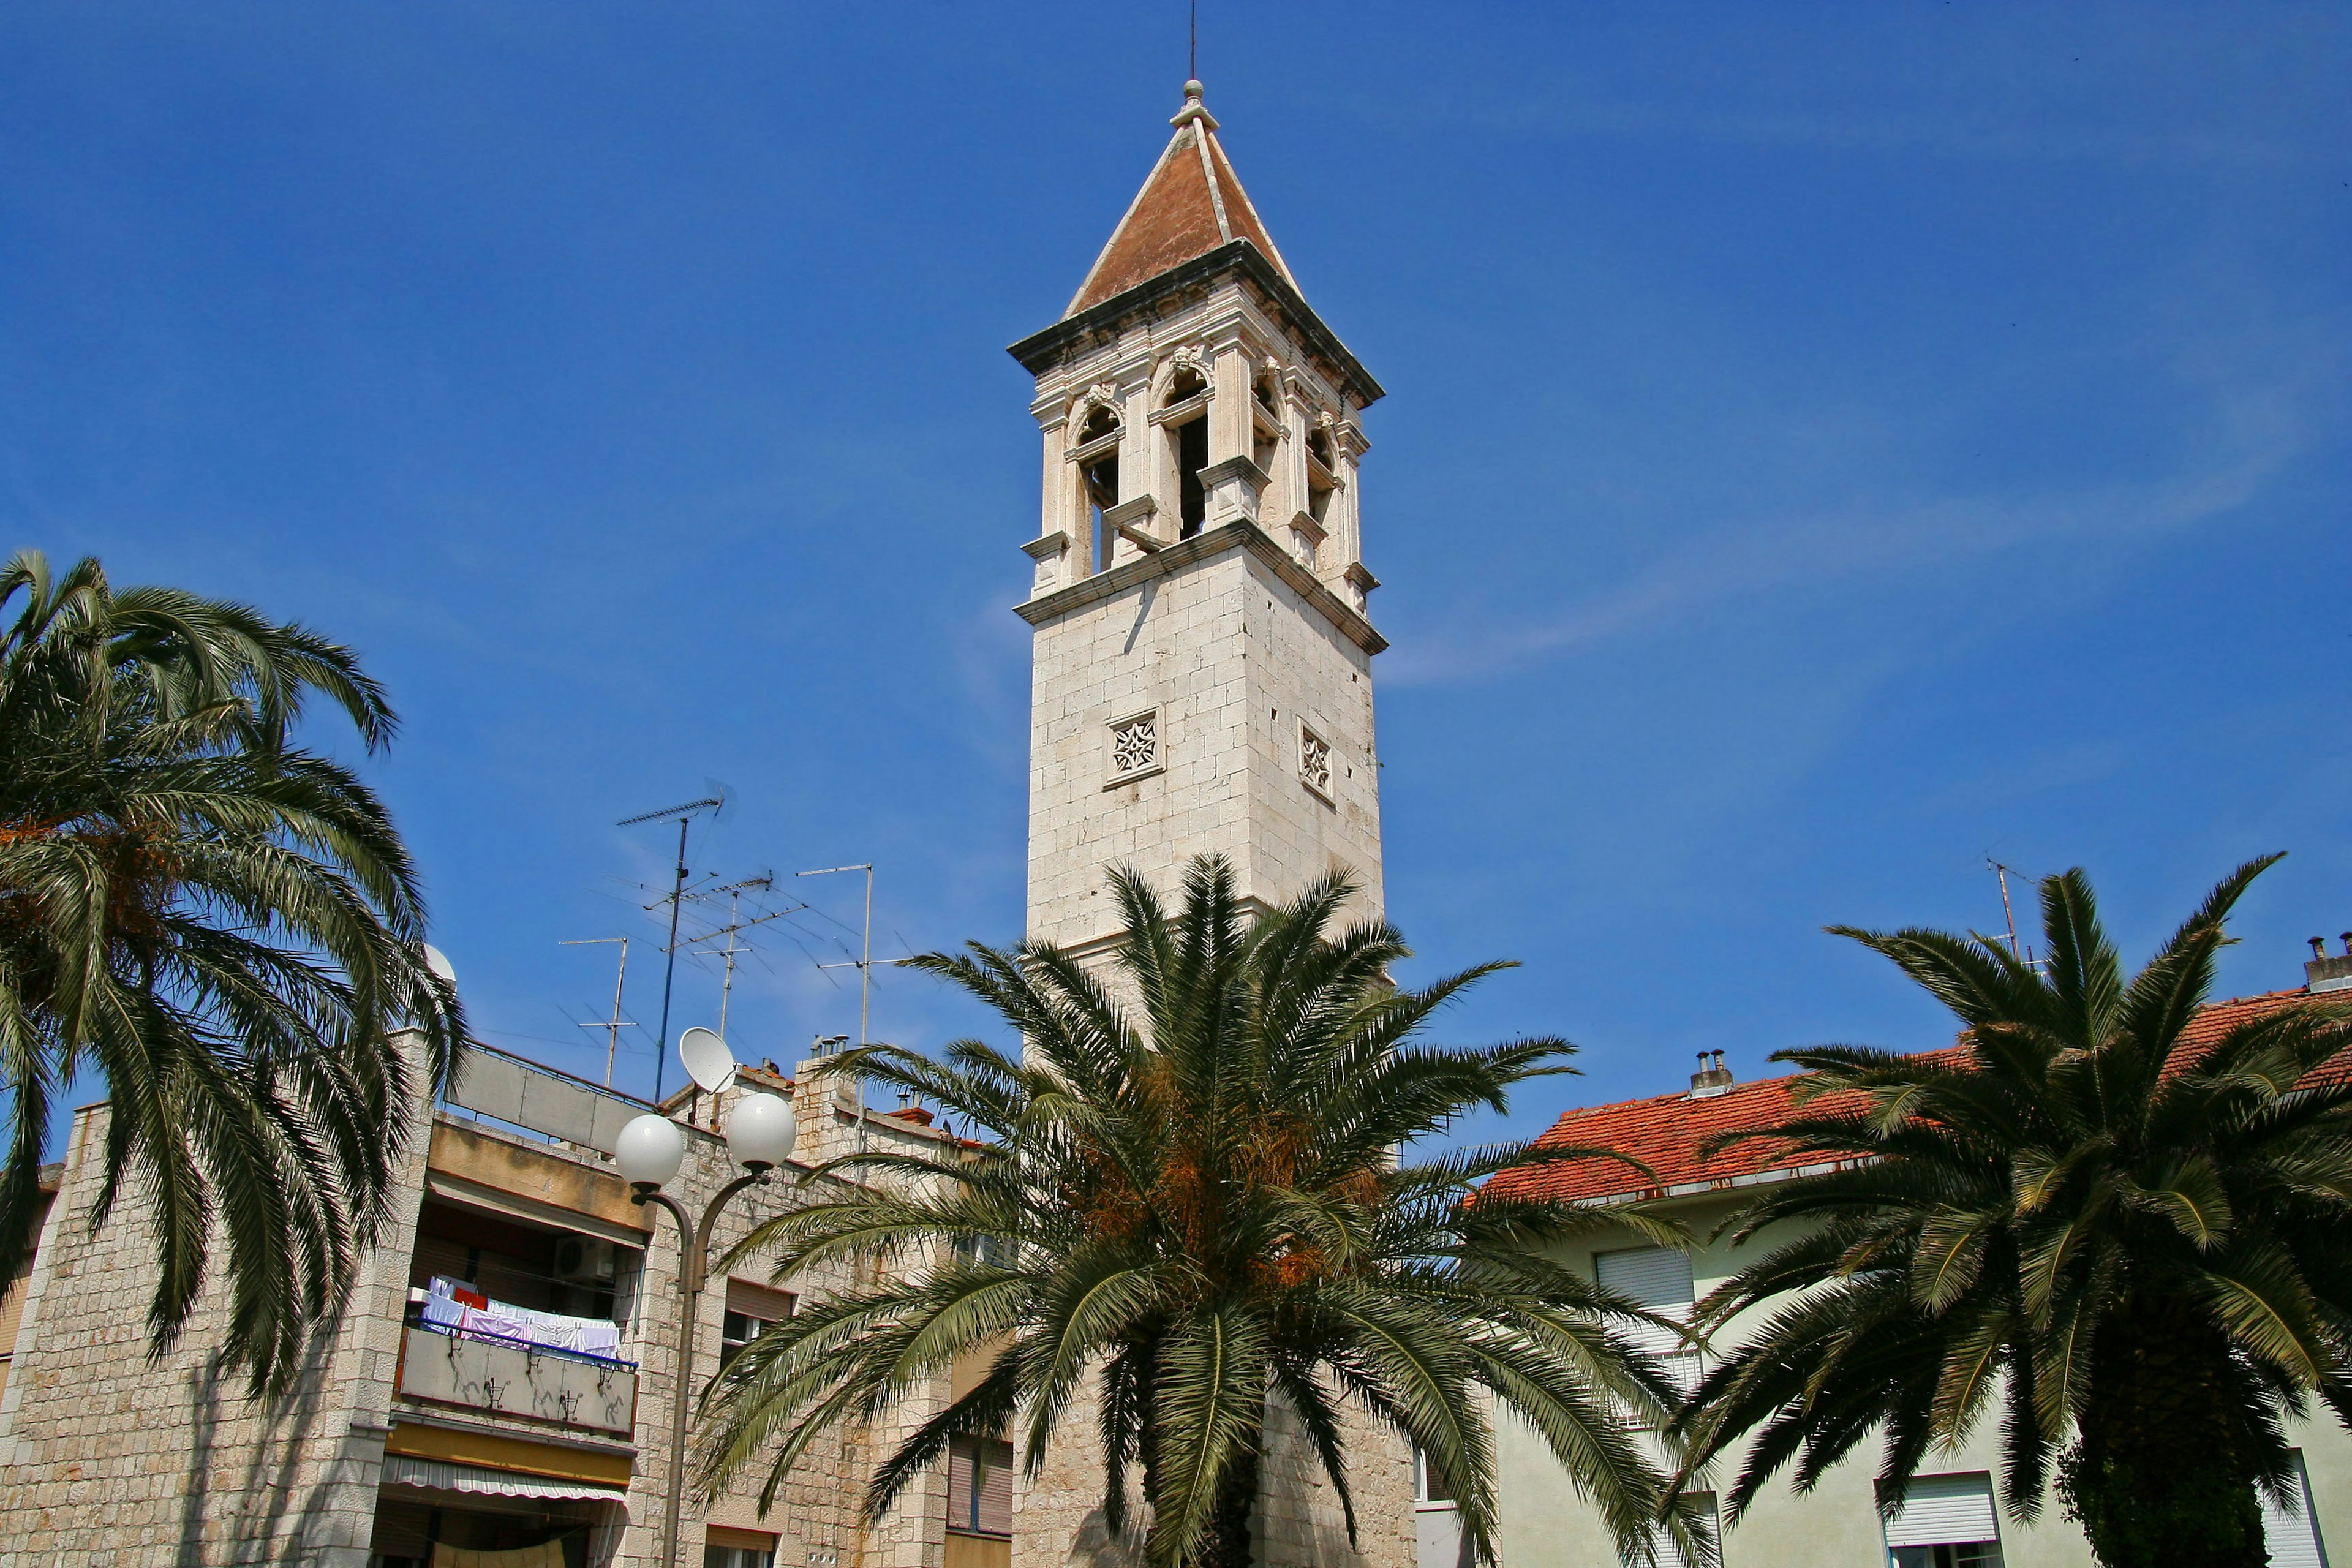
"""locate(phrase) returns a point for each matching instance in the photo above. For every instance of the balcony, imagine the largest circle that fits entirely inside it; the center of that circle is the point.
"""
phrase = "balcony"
(471, 1371)
(514, 1318)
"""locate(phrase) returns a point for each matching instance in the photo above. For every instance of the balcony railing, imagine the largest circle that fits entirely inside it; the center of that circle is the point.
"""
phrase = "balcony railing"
(513, 1377)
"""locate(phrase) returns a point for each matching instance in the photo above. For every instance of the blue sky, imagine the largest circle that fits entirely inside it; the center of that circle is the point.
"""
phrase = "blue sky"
(1826, 444)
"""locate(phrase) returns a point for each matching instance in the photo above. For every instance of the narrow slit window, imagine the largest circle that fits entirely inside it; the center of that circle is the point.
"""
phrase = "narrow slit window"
(1322, 473)
(1191, 440)
(1097, 458)
(1101, 482)
(1265, 428)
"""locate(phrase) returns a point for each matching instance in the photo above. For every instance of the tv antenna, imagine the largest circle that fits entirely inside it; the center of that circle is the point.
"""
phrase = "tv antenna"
(2005, 873)
(865, 967)
(612, 1030)
(764, 882)
(685, 813)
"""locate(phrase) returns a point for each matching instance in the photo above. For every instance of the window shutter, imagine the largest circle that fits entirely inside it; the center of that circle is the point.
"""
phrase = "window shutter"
(960, 1458)
(1709, 1523)
(996, 1488)
(1658, 1278)
(2291, 1532)
(763, 1302)
(1944, 1511)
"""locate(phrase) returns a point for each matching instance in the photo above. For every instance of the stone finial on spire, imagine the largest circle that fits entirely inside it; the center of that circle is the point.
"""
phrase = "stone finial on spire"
(1194, 107)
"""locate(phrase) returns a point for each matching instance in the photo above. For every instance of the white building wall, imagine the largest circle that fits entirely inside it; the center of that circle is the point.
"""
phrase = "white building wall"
(1544, 1524)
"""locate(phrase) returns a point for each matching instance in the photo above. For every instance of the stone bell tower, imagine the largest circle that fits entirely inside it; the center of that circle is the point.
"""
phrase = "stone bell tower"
(1203, 671)
(1203, 681)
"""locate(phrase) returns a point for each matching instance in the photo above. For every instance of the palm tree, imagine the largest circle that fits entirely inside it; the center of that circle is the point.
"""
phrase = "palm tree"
(2089, 1214)
(223, 926)
(1187, 1188)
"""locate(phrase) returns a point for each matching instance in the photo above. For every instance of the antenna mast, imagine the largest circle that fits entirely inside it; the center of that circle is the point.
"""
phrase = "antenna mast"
(685, 814)
(865, 975)
(613, 1036)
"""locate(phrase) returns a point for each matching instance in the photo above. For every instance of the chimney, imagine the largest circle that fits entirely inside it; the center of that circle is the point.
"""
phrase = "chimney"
(1713, 1078)
(2321, 972)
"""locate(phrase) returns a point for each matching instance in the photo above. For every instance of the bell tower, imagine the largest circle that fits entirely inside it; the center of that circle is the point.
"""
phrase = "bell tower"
(1201, 680)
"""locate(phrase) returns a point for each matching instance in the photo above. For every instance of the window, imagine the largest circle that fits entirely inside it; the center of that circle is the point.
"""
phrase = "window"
(1265, 420)
(1429, 1482)
(1097, 458)
(1657, 1278)
(749, 1309)
(730, 1555)
(2292, 1532)
(979, 1485)
(989, 1251)
(1322, 474)
(1698, 1507)
(1190, 442)
(1972, 1554)
(737, 1557)
(1945, 1521)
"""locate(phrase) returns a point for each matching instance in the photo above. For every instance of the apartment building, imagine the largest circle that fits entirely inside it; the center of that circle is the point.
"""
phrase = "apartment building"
(1948, 1516)
(501, 1382)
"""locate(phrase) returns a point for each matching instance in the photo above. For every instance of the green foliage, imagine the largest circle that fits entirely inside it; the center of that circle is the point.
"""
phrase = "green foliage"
(1184, 1198)
(225, 926)
(2085, 1217)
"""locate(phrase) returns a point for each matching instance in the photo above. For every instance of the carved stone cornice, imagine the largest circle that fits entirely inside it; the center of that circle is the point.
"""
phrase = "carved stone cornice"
(1204, 546)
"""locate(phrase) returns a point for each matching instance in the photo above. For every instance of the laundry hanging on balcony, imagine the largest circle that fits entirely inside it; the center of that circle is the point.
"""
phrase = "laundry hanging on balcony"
(453, 1305)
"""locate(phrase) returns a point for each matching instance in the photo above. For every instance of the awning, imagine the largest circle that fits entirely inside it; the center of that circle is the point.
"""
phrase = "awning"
(400, 1470)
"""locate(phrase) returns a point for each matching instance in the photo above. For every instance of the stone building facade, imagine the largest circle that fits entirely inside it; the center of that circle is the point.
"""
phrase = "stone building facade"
(397, 1436)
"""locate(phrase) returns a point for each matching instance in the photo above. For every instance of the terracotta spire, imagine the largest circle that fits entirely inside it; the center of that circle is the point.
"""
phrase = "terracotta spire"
(1192, 203)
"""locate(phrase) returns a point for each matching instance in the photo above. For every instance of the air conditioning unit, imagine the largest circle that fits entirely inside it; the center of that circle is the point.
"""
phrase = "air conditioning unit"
(583, 1260)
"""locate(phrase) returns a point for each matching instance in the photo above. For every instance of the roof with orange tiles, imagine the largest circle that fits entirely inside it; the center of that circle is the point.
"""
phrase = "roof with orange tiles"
(1192, 203)
(1666, 1132)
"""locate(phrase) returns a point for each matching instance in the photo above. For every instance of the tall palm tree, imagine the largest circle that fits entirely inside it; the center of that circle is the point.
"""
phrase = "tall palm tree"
(223, 926)
(2089, 1214)
(1188, 1186)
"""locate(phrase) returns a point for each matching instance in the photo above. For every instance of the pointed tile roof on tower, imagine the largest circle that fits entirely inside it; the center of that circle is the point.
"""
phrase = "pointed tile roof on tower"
(1192, 203)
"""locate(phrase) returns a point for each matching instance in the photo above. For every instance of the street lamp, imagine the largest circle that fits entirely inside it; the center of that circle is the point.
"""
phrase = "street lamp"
(650, 1151)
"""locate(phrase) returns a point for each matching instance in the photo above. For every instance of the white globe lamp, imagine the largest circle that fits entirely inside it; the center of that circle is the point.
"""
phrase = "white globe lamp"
(759, 1131)
(649, 1151)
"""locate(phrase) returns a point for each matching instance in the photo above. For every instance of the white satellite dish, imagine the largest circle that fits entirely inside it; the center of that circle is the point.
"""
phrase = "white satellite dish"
(708, 1060)
(438, 962)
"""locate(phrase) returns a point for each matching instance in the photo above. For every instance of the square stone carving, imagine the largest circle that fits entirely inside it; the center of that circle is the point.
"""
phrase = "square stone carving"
(1135, 746)
(1315, 761)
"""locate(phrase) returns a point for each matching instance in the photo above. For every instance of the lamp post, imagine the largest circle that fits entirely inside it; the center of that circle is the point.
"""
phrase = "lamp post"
(650, 1151)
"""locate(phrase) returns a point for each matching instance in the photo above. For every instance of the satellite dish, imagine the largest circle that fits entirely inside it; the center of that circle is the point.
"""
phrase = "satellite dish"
(438, 962)
(708, 1060)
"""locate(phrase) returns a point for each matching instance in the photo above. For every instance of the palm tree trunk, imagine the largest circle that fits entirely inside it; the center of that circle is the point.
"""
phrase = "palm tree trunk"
(2158, 1477)
(1229, 1545)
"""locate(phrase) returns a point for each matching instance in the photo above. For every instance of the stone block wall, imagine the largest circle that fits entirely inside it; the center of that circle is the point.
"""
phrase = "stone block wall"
(1238, 668)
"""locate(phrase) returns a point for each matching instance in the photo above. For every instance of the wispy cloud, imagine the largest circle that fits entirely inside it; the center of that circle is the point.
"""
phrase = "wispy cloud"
(1812, 553)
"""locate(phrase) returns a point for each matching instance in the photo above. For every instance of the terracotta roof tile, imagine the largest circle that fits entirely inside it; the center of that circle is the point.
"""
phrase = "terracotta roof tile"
(1666, 1132)
(1192, 203)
